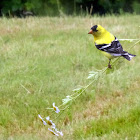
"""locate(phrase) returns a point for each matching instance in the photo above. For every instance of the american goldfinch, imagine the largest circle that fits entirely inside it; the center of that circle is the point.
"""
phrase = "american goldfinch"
(108, 44)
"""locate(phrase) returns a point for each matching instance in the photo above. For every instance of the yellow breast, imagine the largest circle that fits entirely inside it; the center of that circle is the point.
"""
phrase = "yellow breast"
(104, 38)
(109, 56)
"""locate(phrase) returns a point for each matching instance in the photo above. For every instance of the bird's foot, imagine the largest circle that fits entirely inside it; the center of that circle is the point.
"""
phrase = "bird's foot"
(109, 66)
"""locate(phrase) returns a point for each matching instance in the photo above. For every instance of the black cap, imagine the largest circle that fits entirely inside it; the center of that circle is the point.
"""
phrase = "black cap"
(94, 28)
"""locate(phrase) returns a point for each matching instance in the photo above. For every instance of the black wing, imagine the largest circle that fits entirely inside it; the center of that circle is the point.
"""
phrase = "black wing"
(114, 48)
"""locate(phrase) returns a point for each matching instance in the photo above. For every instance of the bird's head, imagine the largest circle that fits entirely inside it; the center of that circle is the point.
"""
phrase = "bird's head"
(97, 30)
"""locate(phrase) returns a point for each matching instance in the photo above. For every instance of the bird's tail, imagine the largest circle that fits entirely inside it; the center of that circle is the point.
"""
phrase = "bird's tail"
(128, 56)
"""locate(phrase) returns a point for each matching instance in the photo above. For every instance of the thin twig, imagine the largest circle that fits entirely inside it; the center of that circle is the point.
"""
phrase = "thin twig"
(128, 49)
(134, 44)
(74, 98)
(25, 88)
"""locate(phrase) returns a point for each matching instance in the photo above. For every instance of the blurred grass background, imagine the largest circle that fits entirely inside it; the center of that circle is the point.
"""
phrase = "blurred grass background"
(42, 59)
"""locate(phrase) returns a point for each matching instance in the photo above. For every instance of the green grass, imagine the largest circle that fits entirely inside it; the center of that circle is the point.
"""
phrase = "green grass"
(43, 59)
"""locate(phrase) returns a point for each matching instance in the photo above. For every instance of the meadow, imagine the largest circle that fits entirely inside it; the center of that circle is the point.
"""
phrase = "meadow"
(42, 59)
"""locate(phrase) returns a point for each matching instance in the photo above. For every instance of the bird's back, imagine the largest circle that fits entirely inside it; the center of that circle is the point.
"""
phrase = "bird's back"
(104, 38)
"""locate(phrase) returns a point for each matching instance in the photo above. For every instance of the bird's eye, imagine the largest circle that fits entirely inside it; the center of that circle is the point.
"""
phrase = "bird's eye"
(94, 28)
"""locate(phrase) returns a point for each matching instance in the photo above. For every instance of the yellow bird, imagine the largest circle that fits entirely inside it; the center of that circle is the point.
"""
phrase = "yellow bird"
(108, 44)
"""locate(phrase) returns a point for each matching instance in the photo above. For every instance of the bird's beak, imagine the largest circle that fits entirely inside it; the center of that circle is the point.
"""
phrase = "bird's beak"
(90, 32)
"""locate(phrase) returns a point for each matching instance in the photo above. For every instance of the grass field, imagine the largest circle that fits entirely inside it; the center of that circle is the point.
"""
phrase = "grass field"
(43, 59)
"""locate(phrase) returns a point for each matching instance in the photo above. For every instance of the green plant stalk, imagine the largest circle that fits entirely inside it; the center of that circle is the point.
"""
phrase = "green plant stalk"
(86, 87)
(74, 98)
(129, 49)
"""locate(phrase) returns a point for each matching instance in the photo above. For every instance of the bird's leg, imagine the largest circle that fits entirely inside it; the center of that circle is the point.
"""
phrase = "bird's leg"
(109, 65)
